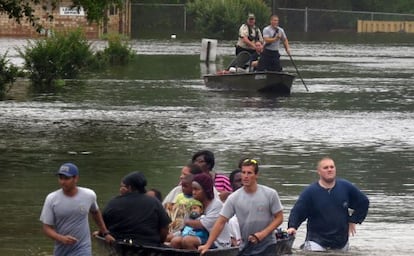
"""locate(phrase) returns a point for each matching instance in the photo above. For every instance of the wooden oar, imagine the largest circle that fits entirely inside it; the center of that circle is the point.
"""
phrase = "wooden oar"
(297, 71)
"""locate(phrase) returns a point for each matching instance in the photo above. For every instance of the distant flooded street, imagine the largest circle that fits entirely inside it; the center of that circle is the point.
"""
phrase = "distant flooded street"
(154, 114)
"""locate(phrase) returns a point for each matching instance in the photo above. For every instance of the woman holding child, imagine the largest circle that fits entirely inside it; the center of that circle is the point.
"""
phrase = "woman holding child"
(202, 186)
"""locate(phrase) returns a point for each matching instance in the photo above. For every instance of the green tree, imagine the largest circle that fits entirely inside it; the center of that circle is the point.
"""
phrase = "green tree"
(23, 10)
(221, 19)
(8, 75)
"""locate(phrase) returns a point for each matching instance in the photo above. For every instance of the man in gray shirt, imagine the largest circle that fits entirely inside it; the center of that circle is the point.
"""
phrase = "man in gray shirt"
(65, 215)
(259, 211)
(273, 35)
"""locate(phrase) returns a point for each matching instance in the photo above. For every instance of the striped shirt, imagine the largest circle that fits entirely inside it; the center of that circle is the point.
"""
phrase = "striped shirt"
(222, 183)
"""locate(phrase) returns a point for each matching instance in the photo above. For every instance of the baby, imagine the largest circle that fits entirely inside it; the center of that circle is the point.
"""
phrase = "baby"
(191, 237)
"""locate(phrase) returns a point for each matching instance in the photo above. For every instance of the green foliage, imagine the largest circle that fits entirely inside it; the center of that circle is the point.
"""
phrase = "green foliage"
(8, 75)
(62, 56)
(96, 9)
(20, 10)
(118, 52)
(221, 19)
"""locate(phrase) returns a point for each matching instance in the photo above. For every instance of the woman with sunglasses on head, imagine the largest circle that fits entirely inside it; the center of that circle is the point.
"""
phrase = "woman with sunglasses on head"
(258, 209)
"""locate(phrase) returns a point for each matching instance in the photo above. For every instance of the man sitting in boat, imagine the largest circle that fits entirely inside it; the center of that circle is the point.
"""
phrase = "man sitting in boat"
(254, 58)
(134, 216)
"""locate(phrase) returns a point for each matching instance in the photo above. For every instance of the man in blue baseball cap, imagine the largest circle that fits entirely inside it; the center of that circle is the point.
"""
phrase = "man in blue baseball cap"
(65, 214)
(68, 170)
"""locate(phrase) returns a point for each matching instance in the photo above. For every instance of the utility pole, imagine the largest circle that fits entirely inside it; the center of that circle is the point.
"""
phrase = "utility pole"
(273, 7)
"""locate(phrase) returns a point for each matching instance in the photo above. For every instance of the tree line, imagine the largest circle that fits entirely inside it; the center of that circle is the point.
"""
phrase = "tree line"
(400, 6)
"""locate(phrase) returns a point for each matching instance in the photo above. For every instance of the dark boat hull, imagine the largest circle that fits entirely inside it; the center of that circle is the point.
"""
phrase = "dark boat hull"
(266, 81)
(283, 247)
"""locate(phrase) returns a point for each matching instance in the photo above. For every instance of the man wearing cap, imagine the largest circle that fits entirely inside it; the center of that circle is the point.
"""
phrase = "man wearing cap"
(65, 215)
(135, 216)
(258, 210)
(248, 35)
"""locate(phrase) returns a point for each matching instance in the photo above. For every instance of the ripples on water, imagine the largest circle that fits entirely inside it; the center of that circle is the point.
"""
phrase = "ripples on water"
(359, 109)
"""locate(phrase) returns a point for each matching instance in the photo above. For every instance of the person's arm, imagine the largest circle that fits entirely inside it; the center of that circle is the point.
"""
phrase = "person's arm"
(248, 42)
(163, 234)
(215, 232)
(286, 45)
(276, 222)
(359, 203)
(97, 217)
(50, 231)
(193, 223)
(351, 229)
(298, 213)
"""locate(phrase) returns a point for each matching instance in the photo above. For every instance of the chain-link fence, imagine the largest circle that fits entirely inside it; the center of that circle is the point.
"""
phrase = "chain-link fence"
(173, 18)
(158, 19)
(323, 20)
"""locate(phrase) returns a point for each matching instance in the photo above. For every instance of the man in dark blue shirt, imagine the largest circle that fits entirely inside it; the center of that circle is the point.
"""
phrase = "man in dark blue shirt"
(332, 207)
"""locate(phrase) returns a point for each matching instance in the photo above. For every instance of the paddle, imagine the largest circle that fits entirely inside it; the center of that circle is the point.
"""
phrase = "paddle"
(297, 71)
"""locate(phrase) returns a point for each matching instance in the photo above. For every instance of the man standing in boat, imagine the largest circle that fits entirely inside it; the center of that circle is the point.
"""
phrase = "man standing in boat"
(273, 35)
(259, 211)
(332, 208)
(249, 34)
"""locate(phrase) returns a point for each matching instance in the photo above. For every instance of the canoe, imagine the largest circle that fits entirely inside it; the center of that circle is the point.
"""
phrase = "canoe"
(128, 248)
(264, 81)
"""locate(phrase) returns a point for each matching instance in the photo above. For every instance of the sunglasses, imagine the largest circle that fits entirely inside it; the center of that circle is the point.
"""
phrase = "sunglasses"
(250, 161)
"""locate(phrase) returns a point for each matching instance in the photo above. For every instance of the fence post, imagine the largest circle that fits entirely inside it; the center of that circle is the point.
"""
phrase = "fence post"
(185, 19)
(306, 19)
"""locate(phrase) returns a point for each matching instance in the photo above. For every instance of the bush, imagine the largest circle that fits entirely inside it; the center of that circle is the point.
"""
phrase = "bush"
(222, 19)
(62, 56)
(8, 75)
(118, 52)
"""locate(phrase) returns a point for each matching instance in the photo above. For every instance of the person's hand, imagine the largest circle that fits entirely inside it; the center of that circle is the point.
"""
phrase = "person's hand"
(288, 51)
(254, 238)
(352, 229)
(291, 231)
(68, 239)
(109, 239)
(202, 249)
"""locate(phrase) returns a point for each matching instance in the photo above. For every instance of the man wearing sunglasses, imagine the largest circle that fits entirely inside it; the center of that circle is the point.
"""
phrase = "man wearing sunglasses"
(259, 211)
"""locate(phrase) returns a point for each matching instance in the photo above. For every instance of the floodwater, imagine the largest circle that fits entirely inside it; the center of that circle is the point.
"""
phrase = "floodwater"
(154, 114)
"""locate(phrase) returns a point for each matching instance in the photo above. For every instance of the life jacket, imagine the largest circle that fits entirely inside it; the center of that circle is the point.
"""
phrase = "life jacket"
(250, 36)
